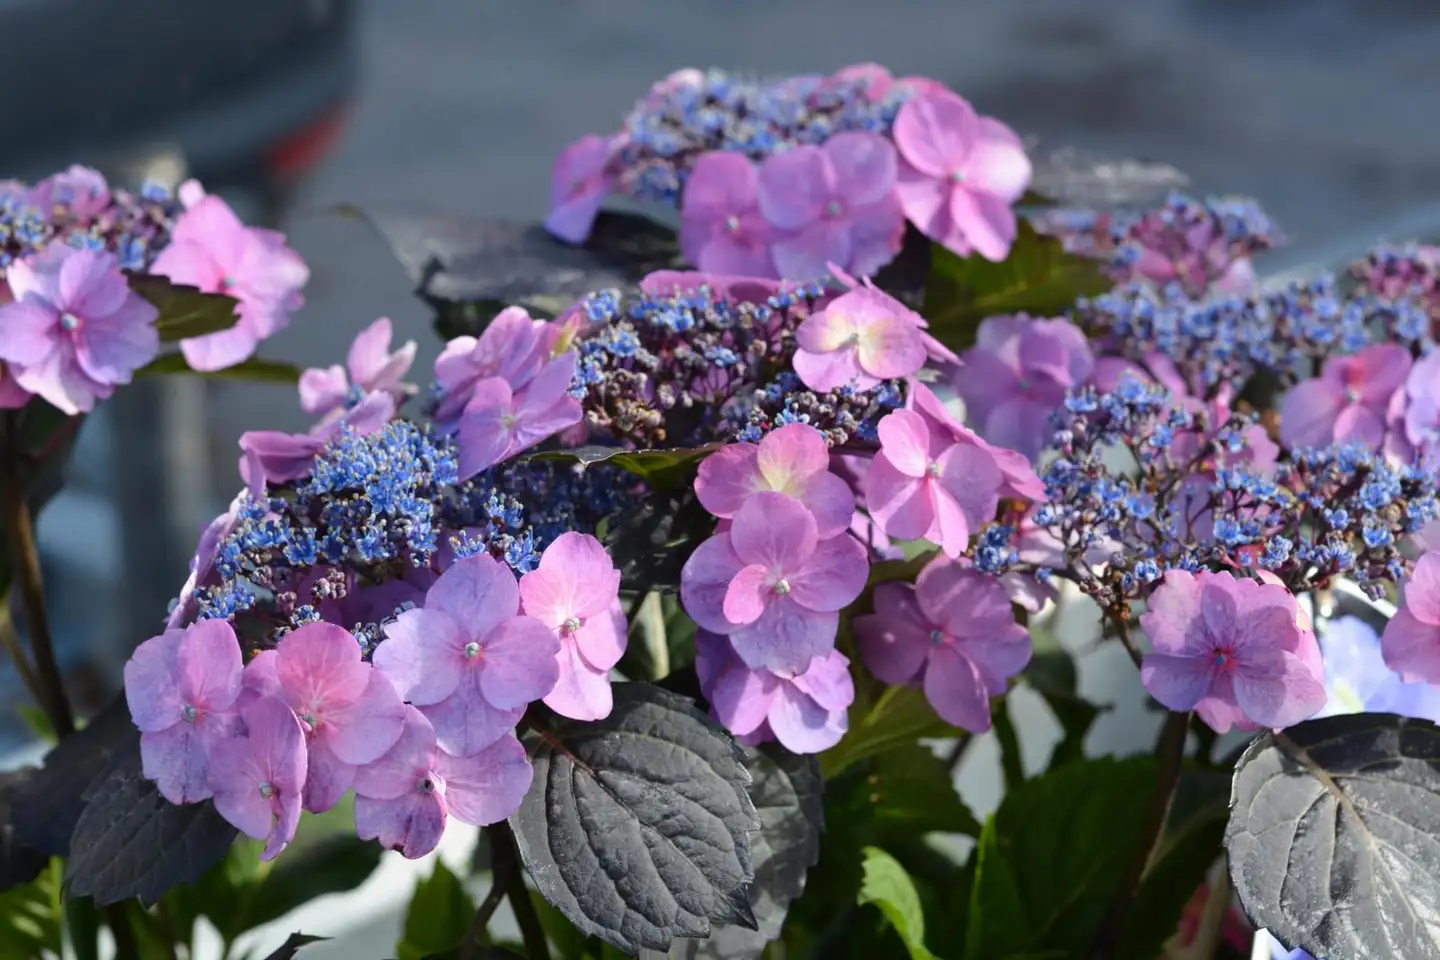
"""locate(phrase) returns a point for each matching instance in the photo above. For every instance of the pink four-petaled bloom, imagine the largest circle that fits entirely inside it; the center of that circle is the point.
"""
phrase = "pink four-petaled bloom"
(349, 711)
(466, 659)
(211, 249)
(512, 347)
(370, 366)
(1016, 377)
(258, 779)
(805, 710)
(404, 798)
(922, 484)
(575, 591)
(498, 422)
(959, 174)
(953, 634)
(181, 687)
(772, 585)
(75, 330)
(1411, 641)
(1231, 649)
(721, 227)
(1348, 402)
(834, 202)
(579, 181)
(1021, 481)
(793, 460)
(861, 337)
(81, 189)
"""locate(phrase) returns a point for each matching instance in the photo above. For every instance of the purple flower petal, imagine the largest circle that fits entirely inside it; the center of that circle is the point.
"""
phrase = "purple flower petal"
(327, 777)
(408, 760)
(412, 824)
(833, 577)
(894, 641)
(774, 531)
(487, 787)
(704, 580)
(517, 662)
(466, 722)
(422, 655)
(582, 691)
(787, 637)
(802, 725)
(956, 691)
(362, 731)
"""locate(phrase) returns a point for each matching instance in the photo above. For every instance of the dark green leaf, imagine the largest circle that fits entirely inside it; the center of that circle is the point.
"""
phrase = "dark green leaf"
(913, 792)
(19, 862)
(661, 469)
(336, 863)
(254, 370)
(995, 916)
(1189, 846)
(32, 917)
(1334, 836)
(1038, 278)
(890, 888)
(1065, 839)
(789, 797)
(460, 259)
(439, 915)
(184, 311)
(651, 540)
(1012, 762)
(637, 827)
(132, 842)
(900, 716)
(36, 722)
(292, 945)
(82, 925)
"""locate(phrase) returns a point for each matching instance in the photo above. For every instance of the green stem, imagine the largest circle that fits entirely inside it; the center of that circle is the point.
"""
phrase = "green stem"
(1169, 752)
(1010, 759)
(502, 864)
(25, 557)
(532, 931)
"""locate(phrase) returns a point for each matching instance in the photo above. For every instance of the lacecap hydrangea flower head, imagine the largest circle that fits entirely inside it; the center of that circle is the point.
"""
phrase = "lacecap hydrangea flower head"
(779, 179)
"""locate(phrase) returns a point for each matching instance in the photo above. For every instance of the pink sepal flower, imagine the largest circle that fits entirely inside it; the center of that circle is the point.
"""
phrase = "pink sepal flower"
(512, 347)
(181, 688)
(1231, 649)
(211, 249)
(258, 779)
(805, 711)
(772, 585)
(919, 486)
(1348, 402)
(1411, 641)
(467, 659)
(349, 711)
(369, 367)
(861, 337)
(75, 330)
(832, 203)
(579, 182)
(721, 227)
(575, 591)
(793, 460)
(404, 798)
(953, 634)
(959, 174)
(498, 422)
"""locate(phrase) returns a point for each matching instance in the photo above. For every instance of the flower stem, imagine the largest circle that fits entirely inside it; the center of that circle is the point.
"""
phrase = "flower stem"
(502, 864)
(1169, 752)
(532, 932)
(25, 558)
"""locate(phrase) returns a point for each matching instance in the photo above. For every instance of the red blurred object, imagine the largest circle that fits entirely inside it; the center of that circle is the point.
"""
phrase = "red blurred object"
(297, 153)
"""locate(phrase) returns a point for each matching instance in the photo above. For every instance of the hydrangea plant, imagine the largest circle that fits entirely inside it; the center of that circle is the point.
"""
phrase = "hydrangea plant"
(704, 558)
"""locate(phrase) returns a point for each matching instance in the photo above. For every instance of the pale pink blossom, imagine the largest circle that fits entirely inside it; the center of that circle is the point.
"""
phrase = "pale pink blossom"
(793, 460)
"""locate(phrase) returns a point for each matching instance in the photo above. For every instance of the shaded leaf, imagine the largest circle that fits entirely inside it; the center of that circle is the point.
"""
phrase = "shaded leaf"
(184, 310)
(890, 888)
(132, 842)
(19, 862)
(438, 917)
(995, 915)
(32, 918)
(82, 927)
(789, 797)
(1334, 836)
(651, 540)
(464, 259)
(254, 369)
(292, 945)
(637, 827)
(913, 791)
(1038, 277)
(46, 810)
(336, 863)
(661, 469)
(900, 716)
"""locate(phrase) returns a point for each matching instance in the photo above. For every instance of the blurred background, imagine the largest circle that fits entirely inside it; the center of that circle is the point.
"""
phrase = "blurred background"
(1323, 109)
